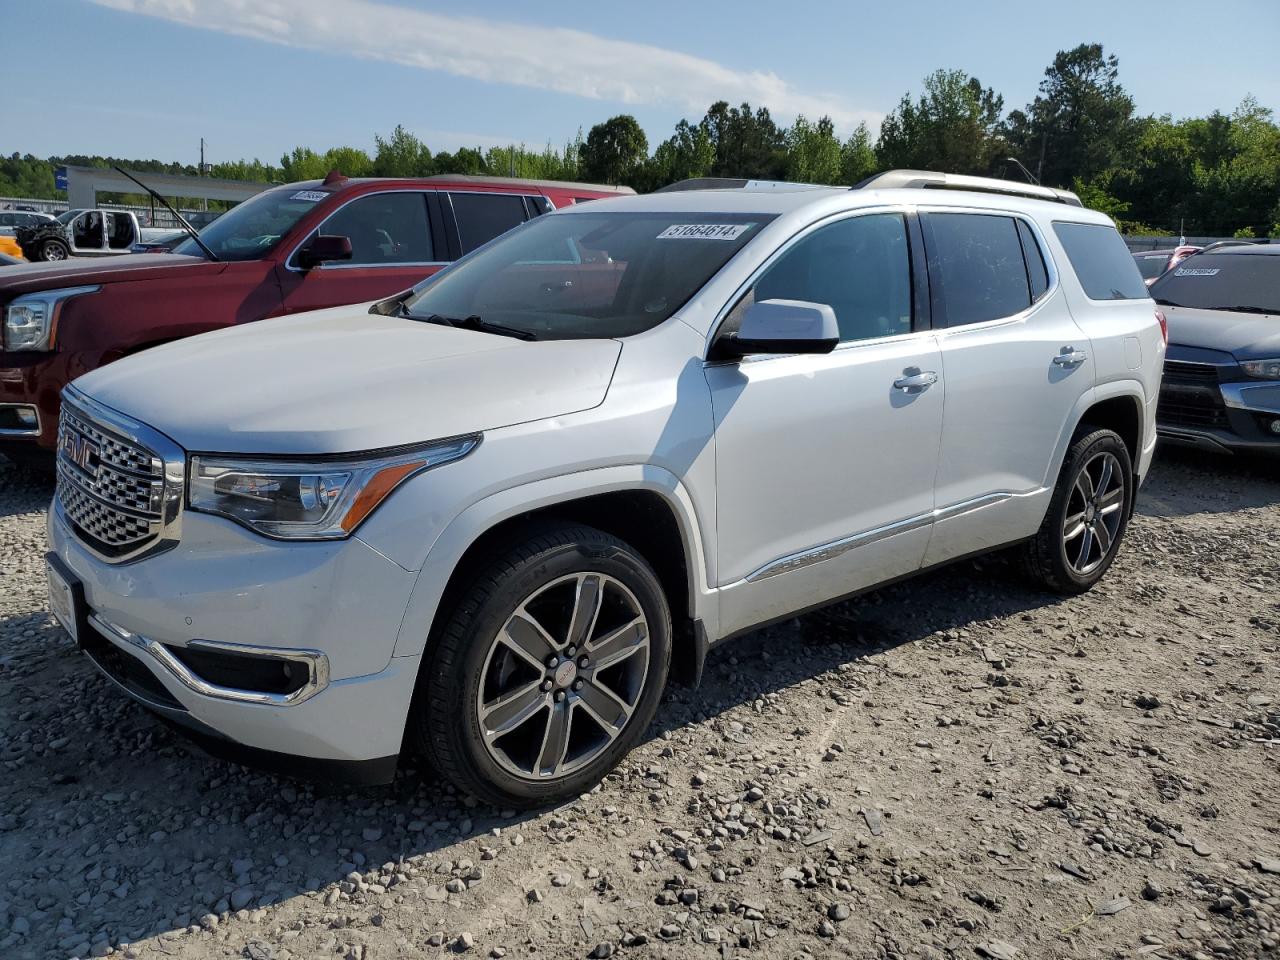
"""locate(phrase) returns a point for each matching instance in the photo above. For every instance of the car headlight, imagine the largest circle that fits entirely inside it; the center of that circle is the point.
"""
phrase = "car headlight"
(1262, 369)
(308, 500)
(29, 321)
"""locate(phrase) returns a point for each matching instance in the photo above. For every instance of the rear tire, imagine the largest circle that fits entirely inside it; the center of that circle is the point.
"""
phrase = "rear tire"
(1087, 516)
(547, 670)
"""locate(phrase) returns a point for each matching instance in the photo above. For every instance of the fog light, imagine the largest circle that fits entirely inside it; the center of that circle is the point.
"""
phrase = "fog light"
(1275, 426)
(27, 417)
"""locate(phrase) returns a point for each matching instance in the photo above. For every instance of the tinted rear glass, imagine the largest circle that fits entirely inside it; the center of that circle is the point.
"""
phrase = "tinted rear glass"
(1151, 267)
(1245, 282)
(483, 216)
(1101, 261)
(978, 259)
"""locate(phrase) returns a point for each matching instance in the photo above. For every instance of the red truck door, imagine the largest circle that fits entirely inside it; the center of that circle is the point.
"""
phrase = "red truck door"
(393, 247)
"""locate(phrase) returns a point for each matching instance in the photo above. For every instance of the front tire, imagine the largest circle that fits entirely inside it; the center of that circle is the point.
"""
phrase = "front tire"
(1087, 517)
(52, 251)
(547, 671)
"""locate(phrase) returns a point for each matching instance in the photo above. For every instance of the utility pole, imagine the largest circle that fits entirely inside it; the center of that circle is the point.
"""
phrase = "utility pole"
(205, 200)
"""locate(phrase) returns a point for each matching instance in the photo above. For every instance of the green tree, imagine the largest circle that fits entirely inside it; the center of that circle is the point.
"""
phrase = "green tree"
(352, 161)
(686, 154)
(465, 161)
(953, 126)
(303, 163)
(858, 157)
(401, 155)
(813, 152)
(614, 151)
(747, 143)
(1080, 123)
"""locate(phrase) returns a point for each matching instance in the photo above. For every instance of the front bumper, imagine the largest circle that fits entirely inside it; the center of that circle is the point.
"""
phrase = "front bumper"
(34, 380)
(1209, 406)
(333, 609)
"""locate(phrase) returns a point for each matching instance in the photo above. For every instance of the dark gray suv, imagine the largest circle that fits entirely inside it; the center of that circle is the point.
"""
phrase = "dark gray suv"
(1221, 387)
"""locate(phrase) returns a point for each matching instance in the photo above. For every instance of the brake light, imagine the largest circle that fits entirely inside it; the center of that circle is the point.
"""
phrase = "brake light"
(1164, 326)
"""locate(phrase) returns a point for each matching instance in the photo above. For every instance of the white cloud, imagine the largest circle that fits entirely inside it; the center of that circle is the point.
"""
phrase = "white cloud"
(547, 58)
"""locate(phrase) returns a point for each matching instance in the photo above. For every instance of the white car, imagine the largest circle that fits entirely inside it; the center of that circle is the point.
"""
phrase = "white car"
(483, 520)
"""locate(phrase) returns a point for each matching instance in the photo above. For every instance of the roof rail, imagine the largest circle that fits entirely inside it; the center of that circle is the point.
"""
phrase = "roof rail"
(929, 180)
(738, 183)
(526, 182)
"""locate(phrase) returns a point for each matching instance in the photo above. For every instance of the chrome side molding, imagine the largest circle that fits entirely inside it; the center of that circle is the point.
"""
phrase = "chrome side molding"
(836, 548)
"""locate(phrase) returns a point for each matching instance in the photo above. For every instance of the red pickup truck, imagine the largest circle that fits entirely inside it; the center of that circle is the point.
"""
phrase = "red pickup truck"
(297, 247)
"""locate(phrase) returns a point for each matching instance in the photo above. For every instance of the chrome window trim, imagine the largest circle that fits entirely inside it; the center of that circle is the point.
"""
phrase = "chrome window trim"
(835, 548)
(315, 661)
(21, 432)
(174, 463)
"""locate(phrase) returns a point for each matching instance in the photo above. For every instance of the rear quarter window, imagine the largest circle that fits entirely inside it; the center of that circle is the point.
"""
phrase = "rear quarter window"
(1101, 261)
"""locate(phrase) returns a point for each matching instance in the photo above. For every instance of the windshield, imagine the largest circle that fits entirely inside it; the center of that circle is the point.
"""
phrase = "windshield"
(581, 275)
(249, 230)
(67, 216)
(1246, 282)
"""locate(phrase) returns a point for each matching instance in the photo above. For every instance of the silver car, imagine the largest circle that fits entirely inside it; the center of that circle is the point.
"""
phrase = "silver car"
(486, 519)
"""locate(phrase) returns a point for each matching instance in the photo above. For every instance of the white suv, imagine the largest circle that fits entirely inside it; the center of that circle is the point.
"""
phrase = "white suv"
(482, 520)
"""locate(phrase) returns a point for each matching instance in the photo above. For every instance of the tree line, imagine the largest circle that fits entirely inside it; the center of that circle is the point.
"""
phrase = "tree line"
(1210, 176)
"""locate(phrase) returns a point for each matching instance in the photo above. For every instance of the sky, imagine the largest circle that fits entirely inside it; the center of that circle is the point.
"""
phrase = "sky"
(148, 78)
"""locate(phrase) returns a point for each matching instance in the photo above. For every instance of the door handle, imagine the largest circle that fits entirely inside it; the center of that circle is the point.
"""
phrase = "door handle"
(916, 382)
(1070, 357)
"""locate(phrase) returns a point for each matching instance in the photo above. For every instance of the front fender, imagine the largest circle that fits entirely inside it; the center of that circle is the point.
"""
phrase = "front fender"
(483, 515)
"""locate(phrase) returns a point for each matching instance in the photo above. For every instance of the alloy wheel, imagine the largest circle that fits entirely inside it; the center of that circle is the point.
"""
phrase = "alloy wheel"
(563, 676)
(1094, 511)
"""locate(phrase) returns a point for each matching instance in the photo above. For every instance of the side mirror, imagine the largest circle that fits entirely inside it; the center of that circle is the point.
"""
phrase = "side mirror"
(323, 249)
(782, 326)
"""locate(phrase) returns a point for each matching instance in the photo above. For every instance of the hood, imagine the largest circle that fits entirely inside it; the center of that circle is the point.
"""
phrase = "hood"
(1246, 336)
(346, 380)
(80, 271)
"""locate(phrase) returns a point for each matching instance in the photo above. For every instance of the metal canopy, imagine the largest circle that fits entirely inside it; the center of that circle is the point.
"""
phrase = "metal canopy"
(85, 183)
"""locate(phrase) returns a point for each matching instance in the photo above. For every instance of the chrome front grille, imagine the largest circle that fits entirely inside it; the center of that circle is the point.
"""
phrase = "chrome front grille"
(119, 495)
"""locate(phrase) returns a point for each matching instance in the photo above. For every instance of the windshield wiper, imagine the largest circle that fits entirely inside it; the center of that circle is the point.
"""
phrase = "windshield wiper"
(478, 323)
(1166, 303)
(191, 231)
(1246, 310)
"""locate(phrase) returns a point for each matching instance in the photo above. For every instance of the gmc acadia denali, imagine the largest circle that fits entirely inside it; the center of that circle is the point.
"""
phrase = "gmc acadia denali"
(481, 520)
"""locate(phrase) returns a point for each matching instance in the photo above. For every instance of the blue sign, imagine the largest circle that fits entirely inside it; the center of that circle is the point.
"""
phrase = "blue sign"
(60, 178)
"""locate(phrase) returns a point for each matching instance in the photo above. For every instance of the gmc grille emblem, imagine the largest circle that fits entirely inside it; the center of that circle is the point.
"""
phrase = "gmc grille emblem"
(81, 451)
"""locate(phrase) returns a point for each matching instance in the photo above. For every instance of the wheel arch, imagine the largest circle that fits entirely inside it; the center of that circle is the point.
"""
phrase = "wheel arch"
(646, 507)
(1117, 405)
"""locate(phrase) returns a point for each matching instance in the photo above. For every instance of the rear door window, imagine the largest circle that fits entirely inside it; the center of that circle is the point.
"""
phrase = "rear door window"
(1102, 262)
(483, 216)
(976, 267)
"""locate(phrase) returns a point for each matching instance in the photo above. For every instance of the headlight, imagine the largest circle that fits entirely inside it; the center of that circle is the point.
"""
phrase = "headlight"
(29, 321)
(312, 500)
(1262, 369)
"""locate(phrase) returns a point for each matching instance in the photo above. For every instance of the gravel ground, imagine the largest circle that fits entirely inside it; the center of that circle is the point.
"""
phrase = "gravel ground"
(952, 767)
